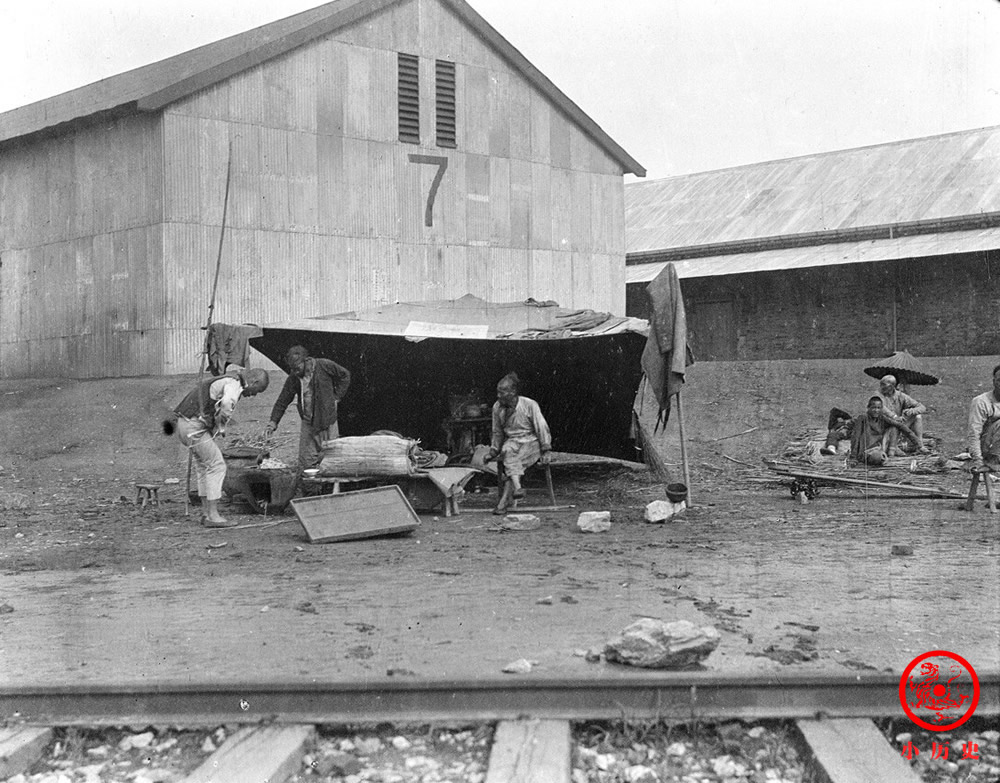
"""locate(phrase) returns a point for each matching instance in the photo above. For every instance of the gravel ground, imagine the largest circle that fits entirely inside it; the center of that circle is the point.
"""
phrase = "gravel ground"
(603, 752)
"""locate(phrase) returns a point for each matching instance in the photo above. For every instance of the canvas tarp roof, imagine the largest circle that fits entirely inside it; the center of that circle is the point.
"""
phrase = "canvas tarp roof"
(407, 362)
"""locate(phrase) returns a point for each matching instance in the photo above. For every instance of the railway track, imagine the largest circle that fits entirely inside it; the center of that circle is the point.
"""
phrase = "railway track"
(532, 739)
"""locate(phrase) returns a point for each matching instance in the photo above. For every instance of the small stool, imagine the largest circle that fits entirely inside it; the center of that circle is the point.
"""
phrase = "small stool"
(990, 500)
(147, 493)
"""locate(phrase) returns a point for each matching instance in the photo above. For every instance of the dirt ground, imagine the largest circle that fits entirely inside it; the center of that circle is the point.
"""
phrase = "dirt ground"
(96, 589)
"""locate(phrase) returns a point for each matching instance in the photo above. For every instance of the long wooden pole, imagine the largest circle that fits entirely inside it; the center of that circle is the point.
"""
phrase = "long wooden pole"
(684, 457)
(211, 305)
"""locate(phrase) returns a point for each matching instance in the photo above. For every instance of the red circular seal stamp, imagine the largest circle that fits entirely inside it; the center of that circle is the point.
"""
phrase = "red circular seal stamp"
(939, 690)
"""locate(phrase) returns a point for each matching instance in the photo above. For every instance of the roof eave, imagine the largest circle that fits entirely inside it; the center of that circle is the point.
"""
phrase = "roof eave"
(510, 53)
(260, 54)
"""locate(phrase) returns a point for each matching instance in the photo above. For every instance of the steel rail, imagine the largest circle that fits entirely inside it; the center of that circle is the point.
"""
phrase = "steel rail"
(680, 697)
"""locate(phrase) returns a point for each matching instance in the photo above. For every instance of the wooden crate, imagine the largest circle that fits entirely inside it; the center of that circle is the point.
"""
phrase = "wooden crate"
(364, 513)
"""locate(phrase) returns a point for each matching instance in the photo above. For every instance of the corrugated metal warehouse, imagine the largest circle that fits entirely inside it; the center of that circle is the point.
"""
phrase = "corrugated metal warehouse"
(381, 150)
(848, 254)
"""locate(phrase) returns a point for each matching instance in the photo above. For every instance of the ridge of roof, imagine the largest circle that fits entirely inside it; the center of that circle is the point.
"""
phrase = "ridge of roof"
(813, 155)
(151, 87)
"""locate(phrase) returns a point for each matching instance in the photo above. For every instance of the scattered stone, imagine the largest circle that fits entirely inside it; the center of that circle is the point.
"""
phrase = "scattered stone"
(154, 776)
(641, 774)
(903, 738)
(401, 743)
(369, 746)
(902, 550)
(756, 732)
(131, 741)
(594, 521)
(520, 666)
(172, 481)
(593, 655)
(546, 601)
(520, 522)
(655, 644)
(100, 752)
(660, 511)
(208, 746)
(6, 608)
(337, 764)
(676, 749)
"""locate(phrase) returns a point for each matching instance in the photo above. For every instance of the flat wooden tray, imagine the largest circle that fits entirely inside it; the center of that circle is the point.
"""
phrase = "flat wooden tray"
(363, 513)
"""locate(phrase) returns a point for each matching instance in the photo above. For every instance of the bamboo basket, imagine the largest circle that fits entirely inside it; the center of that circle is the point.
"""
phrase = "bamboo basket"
(369, 455)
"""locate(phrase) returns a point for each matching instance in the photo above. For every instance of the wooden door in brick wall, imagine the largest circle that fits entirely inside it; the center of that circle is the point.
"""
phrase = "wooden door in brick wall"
(712, 329)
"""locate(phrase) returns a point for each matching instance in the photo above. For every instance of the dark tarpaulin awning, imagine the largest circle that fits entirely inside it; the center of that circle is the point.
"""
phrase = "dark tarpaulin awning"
(403, 380)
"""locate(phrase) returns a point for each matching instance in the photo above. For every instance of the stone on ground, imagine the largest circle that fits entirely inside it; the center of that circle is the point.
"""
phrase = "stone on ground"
(655, 644)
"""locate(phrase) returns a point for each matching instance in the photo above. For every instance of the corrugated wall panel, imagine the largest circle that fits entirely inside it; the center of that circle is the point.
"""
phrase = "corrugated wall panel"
(477, 208)
(562, 210)
(541, 207)
(562, 279)
(182, 180)
(303, 168)
(541, 130)
(213, 157)
(355, 188)
(453, 195)
(499, 116)
(382, 116)
(582, 239)
(475, 114)
(584, 280)
(382, 186)
(500, 194)
(331, 88)
(357, 99)
(520, 203)
(412, 184)
(478, 271)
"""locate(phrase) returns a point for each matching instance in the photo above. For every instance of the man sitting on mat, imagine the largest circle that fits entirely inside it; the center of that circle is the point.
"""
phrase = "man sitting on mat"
(520, 437)
(984, 428)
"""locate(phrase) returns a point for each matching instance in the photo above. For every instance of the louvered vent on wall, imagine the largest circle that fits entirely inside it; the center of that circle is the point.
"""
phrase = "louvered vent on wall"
(409, 98)
(444, 91)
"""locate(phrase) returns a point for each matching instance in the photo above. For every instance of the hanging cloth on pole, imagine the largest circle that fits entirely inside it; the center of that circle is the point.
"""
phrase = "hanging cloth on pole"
(228, 344)
(666, 355)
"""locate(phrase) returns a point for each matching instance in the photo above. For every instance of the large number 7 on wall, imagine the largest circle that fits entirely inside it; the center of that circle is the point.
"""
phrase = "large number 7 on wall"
(442, 163)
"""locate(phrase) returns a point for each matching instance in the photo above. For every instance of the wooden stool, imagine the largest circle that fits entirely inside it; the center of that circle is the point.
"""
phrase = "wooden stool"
(971, 502)
(502, 480)
(147, 493)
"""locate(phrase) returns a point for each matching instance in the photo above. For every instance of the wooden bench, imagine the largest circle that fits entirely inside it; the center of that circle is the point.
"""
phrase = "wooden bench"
(425, 489)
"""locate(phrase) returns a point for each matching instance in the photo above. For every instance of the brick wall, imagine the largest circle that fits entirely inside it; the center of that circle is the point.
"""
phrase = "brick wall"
(945, 306)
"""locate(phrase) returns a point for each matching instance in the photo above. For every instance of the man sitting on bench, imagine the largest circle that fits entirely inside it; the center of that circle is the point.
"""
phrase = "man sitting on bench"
(520, 438)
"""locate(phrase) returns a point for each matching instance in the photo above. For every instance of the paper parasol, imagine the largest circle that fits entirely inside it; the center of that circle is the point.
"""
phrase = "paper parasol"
(906, 369)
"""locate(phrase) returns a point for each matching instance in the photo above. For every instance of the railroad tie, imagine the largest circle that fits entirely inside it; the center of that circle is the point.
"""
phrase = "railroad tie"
(21, 747)
(853, 750)
(271, 753)
(530, 751)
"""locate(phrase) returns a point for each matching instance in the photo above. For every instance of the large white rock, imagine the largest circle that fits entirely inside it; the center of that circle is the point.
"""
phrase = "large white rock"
(663, 510)
(655, 644)
(594, 521)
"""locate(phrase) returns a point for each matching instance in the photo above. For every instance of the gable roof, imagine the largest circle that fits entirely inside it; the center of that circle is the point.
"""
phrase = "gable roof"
(151, 87)
(942, 185)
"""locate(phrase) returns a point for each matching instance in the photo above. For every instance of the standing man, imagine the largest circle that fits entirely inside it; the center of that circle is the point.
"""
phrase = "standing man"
(317, 385)
(900, 408)
(520, 437)
(984, 428)
(201, 416)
